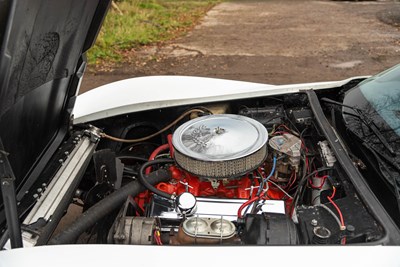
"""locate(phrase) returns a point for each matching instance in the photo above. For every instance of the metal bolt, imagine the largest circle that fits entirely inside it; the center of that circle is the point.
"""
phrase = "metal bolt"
(39, 190)
(61, 160)
(44, 184)
(35, 196)
(66, 153)
(350, 228)
(314, 222)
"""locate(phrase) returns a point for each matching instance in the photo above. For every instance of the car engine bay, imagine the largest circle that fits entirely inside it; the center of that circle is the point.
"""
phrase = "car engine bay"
(181, 160)
(237, 173)
(260, 171)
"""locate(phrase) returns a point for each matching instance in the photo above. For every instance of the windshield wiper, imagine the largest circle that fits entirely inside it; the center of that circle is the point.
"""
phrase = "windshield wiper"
(360, 114)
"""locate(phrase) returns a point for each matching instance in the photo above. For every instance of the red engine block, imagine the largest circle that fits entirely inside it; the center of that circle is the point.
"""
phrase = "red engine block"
(182, 181)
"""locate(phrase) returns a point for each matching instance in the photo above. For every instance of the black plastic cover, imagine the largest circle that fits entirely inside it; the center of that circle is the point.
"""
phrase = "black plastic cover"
(267, 116)
(269, 229)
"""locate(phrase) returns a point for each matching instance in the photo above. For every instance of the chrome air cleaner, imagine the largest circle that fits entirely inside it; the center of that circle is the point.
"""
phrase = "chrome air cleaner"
(220, 146)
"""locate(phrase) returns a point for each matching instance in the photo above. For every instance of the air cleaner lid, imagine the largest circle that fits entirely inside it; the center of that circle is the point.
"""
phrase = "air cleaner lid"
(220, 137)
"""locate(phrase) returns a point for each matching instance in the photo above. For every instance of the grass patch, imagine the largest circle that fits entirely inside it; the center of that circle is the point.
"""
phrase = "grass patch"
(145, 22)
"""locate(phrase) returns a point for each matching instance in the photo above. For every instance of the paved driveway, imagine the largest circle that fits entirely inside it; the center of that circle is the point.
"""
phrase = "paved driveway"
(276, 42)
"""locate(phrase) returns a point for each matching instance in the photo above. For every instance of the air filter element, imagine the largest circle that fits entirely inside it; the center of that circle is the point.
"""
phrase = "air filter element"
(220, 146)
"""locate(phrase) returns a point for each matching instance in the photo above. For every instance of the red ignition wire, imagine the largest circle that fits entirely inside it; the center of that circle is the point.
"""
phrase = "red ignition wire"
(303, 146)
(307, 165)
(330, 198)
(155, 153)
(294, 180)
(319, 177)
(245, 204)
(157, 237)
(171, 147)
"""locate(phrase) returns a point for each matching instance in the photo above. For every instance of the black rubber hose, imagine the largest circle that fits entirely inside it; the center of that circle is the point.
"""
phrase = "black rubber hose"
(144, 180)
(106, 206)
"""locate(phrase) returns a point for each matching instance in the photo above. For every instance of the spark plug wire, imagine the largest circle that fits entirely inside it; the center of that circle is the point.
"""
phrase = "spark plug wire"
(245, 204)
(265, 180)
(260, 189)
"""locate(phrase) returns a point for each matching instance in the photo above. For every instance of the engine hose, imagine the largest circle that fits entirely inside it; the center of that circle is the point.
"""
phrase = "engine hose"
(155, 153)
(145, 182)
(105, 207)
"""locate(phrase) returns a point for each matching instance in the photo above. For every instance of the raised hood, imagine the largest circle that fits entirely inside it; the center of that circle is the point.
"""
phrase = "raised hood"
(43, 43)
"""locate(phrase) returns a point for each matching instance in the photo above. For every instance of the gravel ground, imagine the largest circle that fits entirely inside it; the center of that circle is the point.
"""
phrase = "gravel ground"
(277, 42)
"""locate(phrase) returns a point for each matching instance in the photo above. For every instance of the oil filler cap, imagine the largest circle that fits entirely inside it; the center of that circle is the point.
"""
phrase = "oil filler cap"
(186, 203)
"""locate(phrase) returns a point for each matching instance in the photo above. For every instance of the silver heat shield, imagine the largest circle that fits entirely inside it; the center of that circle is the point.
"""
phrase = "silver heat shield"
(220, 146)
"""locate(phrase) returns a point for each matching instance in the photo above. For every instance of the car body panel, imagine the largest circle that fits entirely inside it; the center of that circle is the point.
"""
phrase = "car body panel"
(110, 255)
(153, 92)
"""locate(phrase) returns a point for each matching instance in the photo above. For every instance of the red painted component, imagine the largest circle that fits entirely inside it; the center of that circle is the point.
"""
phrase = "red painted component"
(155, 153)
(239, 188)
(232, 188)
(171, 147)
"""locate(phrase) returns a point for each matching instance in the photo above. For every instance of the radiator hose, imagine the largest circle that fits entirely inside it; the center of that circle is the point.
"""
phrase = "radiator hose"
(105, 206)
(145, 181)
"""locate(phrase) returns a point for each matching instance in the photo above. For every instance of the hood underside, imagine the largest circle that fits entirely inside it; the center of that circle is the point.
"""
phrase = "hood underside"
(41, 63)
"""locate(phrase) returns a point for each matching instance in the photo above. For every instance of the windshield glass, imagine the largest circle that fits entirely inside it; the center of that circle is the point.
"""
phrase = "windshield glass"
(379, 97)
(383, 93)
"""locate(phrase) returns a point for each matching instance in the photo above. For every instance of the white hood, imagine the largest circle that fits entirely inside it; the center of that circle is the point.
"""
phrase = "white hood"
(152, 92)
